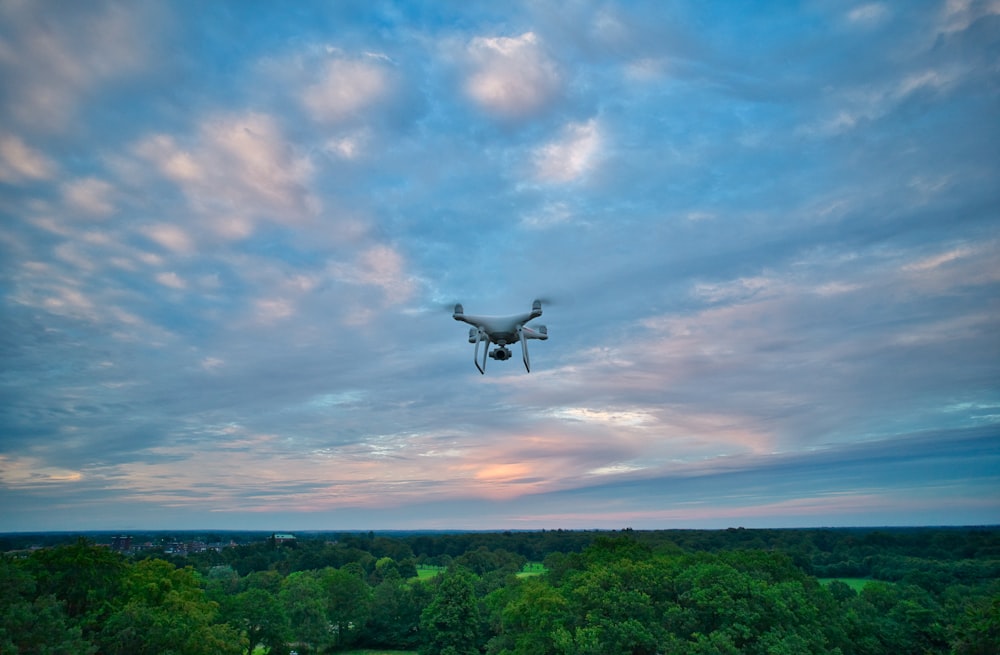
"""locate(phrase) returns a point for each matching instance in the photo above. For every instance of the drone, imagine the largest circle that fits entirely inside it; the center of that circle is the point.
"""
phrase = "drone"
(502, 330)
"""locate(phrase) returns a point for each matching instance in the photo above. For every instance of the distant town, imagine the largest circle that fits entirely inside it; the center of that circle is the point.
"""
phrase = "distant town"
(173, 543)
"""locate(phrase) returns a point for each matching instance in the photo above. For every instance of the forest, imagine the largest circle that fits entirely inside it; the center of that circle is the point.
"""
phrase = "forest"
(846, 591)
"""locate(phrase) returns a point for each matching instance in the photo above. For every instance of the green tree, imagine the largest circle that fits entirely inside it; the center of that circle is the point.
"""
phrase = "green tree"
(348, 603)
(534, 616)
(304, 602)
(166, 613)
(978, 631)
(395, 616)
(450, 624)
(34, 624)
(261, 617)
(86, 578)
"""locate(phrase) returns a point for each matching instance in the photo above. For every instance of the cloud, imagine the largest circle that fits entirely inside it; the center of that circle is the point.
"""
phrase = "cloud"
(51, 60)
(772, 247)
(19, 162)
(90, 196)
(347, 89)
(172, 237)
(959, 15)
(239, 168)
(511, 77)
(171, 279)
(571, 157)
(869, 14)
(379, 266)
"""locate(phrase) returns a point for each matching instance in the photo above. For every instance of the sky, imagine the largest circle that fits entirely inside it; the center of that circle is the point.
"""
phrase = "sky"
(767, 237)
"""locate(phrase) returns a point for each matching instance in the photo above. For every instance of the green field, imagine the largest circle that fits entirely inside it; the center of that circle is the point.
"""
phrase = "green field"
(857, 584)
(532, 568)
(363, 651)
(427, 571)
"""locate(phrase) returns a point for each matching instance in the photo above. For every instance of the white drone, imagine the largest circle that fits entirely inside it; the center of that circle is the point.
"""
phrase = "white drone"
(502, 330)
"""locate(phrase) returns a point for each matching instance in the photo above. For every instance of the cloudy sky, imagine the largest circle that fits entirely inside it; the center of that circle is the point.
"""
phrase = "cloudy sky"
(231, 234)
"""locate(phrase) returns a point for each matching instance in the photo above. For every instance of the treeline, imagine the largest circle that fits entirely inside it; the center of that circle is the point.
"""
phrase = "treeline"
(627, 592)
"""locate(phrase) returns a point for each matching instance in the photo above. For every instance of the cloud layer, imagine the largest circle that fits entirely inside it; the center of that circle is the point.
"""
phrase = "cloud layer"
(769, 238)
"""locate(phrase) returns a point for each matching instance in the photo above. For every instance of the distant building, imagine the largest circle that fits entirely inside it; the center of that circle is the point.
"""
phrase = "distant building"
(121, 544)
(280, 538)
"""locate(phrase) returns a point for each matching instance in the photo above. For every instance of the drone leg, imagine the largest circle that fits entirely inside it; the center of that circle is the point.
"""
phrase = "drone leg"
(475, 354)
(524, 350)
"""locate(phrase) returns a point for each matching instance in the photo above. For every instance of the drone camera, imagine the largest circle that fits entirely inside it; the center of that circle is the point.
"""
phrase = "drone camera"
(501, 354)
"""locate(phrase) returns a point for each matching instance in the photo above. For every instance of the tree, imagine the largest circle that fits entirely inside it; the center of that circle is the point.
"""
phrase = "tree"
(261, 617)
(305, 605)
(531, 620)
(166, 613)
(978, 632)
(34, 624)
(450, 624)
(348, 603)
(395, 617)
(85, 577)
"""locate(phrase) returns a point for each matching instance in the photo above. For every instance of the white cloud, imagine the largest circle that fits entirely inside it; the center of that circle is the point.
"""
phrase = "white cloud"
(171, 237)
(738, 290)
(572, 156)
(273, 309)
(958, 15)
(346, 90)
(241, 169)
(19, 162)
(869, 14)
(171, 279)
(859, 105)
(548, 215)
(511, 77)
(212, 363)
(380, 266)
(89, 196)
(54, 57)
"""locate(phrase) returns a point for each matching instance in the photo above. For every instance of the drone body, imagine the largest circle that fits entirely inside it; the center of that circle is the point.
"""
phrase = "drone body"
(502, 330)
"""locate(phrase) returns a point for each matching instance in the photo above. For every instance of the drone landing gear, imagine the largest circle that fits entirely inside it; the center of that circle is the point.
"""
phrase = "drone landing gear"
(501, 353)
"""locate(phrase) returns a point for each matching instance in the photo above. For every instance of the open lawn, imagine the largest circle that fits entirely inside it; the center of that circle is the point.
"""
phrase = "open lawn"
(363, 651)
(427, 571)
(857, 584)
(532, 568)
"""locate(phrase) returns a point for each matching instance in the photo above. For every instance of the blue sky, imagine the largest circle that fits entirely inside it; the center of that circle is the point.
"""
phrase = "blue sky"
(231, 234)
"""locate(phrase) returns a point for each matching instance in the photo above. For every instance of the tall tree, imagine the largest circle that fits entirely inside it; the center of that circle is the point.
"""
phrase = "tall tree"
(305, 604)
(30, 623)
(166, 612)
(348, 603)
(86, 578)
(450, 624)
(261, 617)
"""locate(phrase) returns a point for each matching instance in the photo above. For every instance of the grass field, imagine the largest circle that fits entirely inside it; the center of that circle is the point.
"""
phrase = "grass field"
(857, 584)
(363, 651)
(426, 571)
(532, 568)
